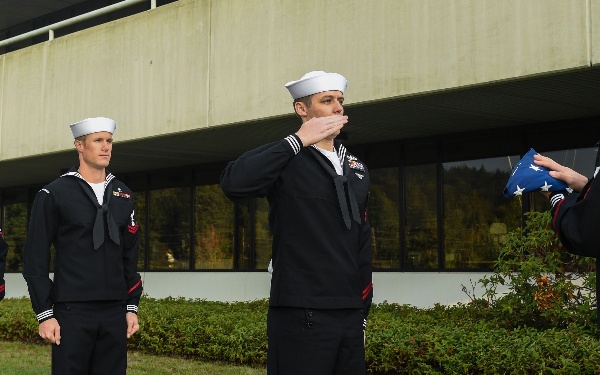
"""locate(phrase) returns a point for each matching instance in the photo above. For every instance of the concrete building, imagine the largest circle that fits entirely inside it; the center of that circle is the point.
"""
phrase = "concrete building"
(443, 98)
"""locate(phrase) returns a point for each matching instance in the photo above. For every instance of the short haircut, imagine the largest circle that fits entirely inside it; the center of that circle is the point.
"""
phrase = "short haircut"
(306, 100)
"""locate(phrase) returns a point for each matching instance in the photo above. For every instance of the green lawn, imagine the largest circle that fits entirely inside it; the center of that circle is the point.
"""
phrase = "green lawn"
(26, 359)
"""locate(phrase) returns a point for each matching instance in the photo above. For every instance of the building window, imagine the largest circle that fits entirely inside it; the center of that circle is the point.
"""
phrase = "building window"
(476, 214)
(253, 237)
(140, 216)
(213, 228)
(421, 217)
(263, 237)
(169, 228)
(15, 227)
(383, 211)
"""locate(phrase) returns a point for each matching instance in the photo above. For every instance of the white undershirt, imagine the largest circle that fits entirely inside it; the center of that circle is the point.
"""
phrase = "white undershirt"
(333, 157)
(99, 191)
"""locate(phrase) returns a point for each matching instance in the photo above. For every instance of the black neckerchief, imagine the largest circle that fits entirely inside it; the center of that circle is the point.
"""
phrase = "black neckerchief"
(339, 182)
(101, 210)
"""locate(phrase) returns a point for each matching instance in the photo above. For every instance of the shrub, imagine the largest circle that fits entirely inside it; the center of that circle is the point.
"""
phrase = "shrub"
(548, 287)
(463, 339)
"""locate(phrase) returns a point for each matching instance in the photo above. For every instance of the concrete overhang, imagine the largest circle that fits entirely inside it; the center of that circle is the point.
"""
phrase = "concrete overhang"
(564, 96)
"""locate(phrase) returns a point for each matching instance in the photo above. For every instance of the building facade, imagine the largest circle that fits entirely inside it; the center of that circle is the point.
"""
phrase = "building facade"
(443, 98)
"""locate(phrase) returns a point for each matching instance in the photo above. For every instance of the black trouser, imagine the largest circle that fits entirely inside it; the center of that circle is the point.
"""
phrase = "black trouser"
(315, 342)
(93, 338)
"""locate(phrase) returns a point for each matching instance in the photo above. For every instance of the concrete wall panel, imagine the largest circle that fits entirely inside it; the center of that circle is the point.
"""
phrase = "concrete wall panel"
(199, 63)
(419, 289)
(148, 72)
(386, 48)
(594, 20)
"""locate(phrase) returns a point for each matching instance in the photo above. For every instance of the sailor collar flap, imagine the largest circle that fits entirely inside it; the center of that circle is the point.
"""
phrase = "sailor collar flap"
(101, 210)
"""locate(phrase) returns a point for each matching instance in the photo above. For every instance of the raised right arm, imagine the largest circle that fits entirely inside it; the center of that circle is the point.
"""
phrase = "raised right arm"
(253, 173)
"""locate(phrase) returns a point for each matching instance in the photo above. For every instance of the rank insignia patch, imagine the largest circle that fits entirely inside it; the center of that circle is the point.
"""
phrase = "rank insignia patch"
(132, 227)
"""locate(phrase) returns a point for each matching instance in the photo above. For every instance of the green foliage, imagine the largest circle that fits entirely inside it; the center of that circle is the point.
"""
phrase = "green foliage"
(547, 286)
(209, 331)
(462, 339)
(17, 321)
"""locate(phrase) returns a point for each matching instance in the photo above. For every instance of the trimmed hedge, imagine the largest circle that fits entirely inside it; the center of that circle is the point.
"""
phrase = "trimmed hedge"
(464, 339)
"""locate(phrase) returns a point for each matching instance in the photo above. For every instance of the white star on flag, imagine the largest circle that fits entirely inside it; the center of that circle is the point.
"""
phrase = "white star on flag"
(519, 191)
(546, 187)
(535, 168)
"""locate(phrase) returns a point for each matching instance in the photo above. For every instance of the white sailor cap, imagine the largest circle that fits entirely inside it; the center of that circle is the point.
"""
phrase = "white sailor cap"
(93, 125)
(315, 82)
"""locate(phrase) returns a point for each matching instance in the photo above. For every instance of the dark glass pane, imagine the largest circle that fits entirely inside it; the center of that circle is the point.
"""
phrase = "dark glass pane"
(421, 217)
(477, 216)
(263, 238)
(383, 211)
(15, 228)
(140, 216)
(245, 240)
(169, 246)
(213, 232)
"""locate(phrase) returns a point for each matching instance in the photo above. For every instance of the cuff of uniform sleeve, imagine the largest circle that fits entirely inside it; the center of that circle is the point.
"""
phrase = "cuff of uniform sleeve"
(43, 316)
(132, 308)
(295, 143)
(364, 324)
(556, 197)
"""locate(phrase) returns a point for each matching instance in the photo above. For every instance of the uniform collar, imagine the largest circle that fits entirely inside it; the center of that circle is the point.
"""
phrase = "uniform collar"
(73, 172)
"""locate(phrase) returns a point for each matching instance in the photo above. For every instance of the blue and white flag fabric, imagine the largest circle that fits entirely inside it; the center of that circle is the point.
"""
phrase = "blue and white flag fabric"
(528, 176)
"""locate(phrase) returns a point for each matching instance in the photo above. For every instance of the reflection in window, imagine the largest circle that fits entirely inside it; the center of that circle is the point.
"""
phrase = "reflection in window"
(244, 234)
(421, 217)
(140, 217)
(169, 246)
(264, 240)
(15, 228)
(477, 216)
(213, 232)
(383, 209)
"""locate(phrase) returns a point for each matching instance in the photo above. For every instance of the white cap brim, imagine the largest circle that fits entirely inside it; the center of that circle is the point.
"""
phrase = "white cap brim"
(93, 125)
(316, 82)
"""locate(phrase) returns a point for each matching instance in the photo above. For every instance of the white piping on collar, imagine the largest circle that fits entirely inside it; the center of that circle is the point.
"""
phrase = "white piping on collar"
(108, 179)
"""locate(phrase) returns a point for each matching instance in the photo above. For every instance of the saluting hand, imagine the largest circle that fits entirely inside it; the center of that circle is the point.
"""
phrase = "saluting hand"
(318, 128)
(573, 179)
(50, 331)
(132, 323)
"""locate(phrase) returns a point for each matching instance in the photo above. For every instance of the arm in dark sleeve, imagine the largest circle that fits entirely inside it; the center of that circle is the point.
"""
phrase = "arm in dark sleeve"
(133, 280)
(575, 217)
(36, 264)
(365, 267)
(3, 252)
(253, 173)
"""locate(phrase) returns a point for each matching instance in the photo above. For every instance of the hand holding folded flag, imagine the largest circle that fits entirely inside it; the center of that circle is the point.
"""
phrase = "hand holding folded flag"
(528, 176)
